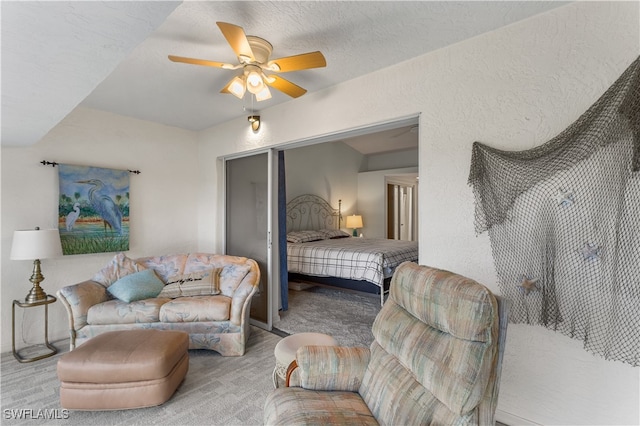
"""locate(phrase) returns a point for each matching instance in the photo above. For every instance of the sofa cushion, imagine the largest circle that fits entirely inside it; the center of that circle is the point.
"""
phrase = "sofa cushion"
(119, 312)
(446, 301)
(235, 268)
(137, 286)
(117, 268)
(196, 308)
(165, 266)
(204, 283)
(305, 407)
(388, 384)
(450, 321)
(231, 277)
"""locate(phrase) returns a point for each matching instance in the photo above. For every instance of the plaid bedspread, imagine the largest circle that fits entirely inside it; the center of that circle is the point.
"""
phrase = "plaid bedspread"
(362, 259)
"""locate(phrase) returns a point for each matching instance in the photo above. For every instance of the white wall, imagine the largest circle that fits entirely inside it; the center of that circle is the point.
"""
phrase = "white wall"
(329, 170)
(163, 203)
(514, 89)
(372, 200)
(392, 160)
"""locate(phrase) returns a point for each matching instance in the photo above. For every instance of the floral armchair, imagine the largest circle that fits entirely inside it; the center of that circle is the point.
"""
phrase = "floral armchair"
(436, 359)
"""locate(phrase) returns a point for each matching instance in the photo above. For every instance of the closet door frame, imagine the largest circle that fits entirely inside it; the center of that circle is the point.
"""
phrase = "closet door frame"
(271, 268)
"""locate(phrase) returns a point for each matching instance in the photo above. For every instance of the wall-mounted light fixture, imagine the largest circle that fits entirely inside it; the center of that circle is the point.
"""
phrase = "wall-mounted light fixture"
(255, 122)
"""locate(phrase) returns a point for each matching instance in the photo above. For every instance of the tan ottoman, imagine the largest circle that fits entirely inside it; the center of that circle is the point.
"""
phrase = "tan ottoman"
(285, 351)
(123, 369)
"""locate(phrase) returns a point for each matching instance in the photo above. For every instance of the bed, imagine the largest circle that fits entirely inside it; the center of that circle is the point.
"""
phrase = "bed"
(319, 252)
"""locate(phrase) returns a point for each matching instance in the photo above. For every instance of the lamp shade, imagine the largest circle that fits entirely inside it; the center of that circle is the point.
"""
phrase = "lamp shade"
(354, 221)
(32, 244)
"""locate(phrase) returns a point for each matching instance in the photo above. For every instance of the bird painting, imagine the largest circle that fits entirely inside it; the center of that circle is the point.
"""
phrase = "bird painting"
(72, 217)
(104, 206)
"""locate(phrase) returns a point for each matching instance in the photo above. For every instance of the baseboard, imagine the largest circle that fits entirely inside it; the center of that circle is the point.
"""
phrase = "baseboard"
(512, 419)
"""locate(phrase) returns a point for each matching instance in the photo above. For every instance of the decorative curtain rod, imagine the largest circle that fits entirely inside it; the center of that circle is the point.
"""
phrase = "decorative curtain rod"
(53, 164)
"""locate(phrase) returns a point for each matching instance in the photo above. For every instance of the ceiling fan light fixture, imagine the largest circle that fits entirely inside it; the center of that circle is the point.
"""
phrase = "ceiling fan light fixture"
(254, 82)
(237, 88)
(263, 95)
(253, 55)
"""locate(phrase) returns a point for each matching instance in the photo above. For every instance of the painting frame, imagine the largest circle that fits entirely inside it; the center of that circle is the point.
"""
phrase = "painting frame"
(93, 209)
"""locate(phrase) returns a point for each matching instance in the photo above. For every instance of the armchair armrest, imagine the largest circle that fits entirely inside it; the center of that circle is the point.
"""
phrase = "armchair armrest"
(330, 368)
(77, 299)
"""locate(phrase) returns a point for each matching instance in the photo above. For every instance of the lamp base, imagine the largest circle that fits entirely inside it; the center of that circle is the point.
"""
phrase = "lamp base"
(355, 232)
(36, 294)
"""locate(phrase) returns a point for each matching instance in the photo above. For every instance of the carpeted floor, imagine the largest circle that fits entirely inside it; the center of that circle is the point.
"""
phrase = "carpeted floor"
(345, 315)
(216, 391)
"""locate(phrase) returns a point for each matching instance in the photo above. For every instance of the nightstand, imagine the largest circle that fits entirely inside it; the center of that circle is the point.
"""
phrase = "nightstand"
(44, 302)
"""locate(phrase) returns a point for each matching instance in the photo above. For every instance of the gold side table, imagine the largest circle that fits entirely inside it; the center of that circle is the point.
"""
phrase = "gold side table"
(44, 302)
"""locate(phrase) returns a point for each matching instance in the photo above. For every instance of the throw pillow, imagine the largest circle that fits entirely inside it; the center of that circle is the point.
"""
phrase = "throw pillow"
(202, 283)
(117, 268)
(137, 286)
(334, 233)
(304, 236)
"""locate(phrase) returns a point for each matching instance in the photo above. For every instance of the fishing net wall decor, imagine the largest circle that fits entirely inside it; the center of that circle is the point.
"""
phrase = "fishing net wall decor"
(564, 224)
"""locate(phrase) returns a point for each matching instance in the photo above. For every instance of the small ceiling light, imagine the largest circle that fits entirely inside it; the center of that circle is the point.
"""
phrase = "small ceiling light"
(263, 95)
(236, 87)
(255, 122)
(254, 82)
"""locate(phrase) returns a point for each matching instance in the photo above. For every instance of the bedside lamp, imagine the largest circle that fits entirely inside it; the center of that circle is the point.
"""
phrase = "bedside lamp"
(34, 245)
(355, 222)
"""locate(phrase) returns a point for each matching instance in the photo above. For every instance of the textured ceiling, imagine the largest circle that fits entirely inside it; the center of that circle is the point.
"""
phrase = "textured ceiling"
(112, 56)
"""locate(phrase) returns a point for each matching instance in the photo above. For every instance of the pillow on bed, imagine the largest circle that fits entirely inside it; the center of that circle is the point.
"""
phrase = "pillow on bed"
(334, 233)
(305, 236)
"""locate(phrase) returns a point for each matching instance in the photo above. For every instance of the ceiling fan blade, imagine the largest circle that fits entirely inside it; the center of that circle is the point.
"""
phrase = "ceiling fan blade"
(237, 39)
(225, 89)
(285, 86)
(298, 62)
(199, 62)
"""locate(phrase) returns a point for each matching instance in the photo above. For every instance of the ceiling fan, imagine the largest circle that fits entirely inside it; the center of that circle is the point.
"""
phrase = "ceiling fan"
(253, 56)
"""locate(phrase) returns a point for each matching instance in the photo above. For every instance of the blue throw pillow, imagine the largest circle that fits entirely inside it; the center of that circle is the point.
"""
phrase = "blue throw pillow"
(137, 286)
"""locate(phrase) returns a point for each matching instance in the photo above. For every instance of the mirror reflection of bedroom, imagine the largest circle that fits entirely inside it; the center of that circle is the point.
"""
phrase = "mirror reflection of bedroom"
(351, 219)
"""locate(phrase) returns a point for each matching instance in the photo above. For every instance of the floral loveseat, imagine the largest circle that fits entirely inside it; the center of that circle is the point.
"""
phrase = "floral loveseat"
(205, 295)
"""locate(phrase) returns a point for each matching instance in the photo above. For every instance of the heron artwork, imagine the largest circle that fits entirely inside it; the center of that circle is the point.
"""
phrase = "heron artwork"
(72, 217)
(104, 206)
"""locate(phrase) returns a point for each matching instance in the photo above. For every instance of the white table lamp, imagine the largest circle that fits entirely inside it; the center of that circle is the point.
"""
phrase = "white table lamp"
(355, 222)
(36, 244)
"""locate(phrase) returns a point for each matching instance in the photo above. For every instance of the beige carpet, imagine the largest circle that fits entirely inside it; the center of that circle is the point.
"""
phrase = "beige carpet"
(345, 315)
(216, 391)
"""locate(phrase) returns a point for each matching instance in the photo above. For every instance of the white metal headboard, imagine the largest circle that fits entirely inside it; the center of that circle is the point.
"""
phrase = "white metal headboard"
(310, 212)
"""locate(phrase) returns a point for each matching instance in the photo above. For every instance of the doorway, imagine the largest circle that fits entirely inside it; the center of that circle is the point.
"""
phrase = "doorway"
(250, 243)
(402, 207)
